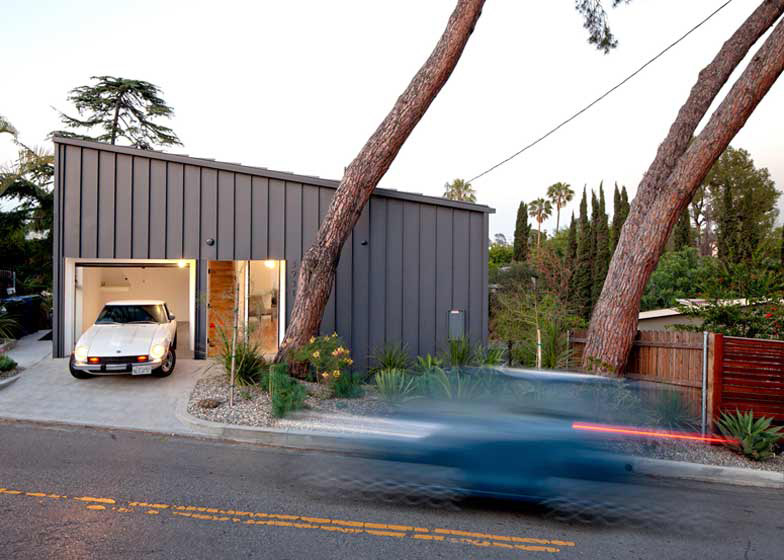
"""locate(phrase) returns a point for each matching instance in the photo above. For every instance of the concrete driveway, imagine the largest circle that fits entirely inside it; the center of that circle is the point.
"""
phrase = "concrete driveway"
(47, 392)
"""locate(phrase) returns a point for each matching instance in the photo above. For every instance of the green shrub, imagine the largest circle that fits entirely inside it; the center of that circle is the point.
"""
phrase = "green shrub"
(286, 393)
(672, 411)
(427, 363)
(395, 385)
(752, 437)
(6, 363)
(452, 385)
(250, 367)
(327, 355)
(348, 385)
(391, 356)
(459, 352)
(489, 356)
(9, 326)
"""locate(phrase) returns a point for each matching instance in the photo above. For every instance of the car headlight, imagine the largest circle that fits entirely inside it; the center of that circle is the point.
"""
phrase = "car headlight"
(81, 353)
(157, 351)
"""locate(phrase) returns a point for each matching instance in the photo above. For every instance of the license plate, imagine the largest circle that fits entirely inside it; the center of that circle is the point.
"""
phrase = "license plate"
(141, 370)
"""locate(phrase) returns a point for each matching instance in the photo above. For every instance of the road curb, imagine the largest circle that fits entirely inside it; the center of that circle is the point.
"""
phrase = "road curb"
(9, 380)
(295, 439)
(708, 473)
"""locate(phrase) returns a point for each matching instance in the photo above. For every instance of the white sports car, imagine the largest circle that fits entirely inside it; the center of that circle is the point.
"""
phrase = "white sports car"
(137, 337)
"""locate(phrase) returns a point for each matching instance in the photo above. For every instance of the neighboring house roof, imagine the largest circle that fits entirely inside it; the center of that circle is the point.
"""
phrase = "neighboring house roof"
(694, 302)
(269, 173)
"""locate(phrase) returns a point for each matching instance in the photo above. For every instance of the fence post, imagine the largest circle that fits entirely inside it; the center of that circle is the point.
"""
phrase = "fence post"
(715, 361)
(704, 407)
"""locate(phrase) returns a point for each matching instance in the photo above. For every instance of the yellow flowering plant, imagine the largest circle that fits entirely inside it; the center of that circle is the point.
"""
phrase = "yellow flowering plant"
(328, 356)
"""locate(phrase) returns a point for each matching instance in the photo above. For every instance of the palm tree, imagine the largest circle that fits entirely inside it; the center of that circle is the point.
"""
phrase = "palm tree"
(6, 126)
(459, 190)
(559, 194)
(540, 209)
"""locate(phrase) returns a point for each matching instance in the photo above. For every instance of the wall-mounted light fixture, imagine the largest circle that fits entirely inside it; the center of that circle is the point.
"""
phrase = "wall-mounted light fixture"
(210, 242)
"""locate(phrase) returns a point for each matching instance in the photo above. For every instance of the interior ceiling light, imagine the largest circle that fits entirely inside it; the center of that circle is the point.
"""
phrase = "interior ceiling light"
(182, 264)
(269, 264)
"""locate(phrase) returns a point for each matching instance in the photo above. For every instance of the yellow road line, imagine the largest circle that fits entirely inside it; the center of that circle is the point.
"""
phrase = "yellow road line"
(529, 544)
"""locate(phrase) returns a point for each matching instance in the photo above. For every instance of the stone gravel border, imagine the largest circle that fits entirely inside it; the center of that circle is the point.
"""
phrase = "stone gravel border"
(9, 379)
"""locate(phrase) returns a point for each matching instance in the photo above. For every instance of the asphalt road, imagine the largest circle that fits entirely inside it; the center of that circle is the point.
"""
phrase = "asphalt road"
(79, 493)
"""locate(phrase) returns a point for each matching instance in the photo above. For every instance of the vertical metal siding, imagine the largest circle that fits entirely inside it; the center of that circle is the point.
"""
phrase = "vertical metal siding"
(411, 231)
(158, 210)
(57, 261)
(175, 204)
(378, 276)
(123, 213)
(89, 213)
(405, 265)
(242, 217)
(106, 204)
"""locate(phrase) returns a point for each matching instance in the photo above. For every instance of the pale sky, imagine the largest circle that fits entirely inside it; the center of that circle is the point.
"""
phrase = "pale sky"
(300, 85)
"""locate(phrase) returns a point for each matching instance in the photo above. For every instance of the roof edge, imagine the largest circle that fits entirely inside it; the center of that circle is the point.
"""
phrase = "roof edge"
(268, 173)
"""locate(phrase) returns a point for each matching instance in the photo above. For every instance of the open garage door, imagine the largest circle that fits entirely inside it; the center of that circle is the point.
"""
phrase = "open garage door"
(96, 282)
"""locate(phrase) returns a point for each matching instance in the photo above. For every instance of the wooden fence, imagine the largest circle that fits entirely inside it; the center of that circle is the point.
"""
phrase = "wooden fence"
(748, 374)
(672, 360)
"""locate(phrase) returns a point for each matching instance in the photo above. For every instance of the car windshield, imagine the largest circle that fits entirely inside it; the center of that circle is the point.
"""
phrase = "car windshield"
(132, 314)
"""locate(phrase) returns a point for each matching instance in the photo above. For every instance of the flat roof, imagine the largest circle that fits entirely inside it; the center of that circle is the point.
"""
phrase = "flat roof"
(268, 173)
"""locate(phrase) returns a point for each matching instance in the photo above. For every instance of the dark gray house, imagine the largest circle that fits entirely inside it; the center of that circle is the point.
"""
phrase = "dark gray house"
(137, 224)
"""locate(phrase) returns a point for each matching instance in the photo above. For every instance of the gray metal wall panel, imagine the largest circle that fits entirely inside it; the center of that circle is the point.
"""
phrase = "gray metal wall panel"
(158, 210)
(106, 205)
(427, 280)
(225, 240)
(260, 217)
(328, 320)
(477, 239)
(378, 275)
(310, 215)
(276, 218)
(293, 242)
(140, 216)
(485, 293)
(242, 217)
(344, 292)
(361, 293)
(394, 264)
(209, 214)
(443, 273)
(460, 270)
(89, 213)
(57, 261)
(72, 201)
(191, 193)
(175, 211)
(124, 211)
(410, 308)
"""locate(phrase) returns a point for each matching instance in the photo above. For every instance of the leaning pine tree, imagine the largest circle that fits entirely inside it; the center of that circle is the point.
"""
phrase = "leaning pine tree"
(681, 164)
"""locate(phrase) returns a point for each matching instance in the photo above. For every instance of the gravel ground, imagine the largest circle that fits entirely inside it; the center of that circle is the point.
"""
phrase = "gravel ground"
(252, 407)
(701, 453)
(7, 374)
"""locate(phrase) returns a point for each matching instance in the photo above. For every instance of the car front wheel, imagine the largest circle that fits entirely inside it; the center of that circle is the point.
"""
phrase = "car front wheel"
(79, 374)
(167, 367)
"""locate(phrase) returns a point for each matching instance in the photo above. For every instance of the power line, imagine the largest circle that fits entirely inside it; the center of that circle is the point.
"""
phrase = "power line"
(605, 94)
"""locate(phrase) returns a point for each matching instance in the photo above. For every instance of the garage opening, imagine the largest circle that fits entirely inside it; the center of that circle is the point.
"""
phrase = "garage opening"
(258, 288)
(96, 283)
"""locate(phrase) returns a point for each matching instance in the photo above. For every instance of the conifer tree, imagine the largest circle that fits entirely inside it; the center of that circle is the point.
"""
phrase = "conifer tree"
(571, 247)
(521, 233)
(727, 234)
(681, 236)
(601, 260)
(583, 273)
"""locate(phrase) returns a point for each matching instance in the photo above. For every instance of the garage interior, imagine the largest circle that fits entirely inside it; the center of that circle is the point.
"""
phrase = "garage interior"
(98, 283)
(260, 294)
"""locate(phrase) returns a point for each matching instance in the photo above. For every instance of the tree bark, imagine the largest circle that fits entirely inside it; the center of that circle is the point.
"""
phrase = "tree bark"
(317, 270)
(675, 175)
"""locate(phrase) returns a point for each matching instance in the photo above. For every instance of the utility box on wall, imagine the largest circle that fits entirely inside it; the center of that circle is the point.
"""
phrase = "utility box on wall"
(456, 324)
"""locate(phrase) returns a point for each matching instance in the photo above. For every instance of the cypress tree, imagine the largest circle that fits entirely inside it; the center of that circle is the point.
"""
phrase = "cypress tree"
(602, 255)
(681, 235)
(727, 234)
(571, 246)
(625, 207)
(782, 247)
(615, 228)
(583, 273)
(522, 230)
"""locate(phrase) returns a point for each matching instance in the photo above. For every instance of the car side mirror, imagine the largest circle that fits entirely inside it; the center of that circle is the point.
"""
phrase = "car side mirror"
(172, 317)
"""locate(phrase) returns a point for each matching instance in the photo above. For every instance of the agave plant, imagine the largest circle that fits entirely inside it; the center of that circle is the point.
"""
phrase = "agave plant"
(391, 356)
(395, 385)
(428, 363)
(752, 437)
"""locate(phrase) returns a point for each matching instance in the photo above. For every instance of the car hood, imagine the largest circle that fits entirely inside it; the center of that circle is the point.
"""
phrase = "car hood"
(121, 340)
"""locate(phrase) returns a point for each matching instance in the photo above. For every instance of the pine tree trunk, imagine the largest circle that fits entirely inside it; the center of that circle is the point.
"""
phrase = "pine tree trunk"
(317, 271)
(674, 176)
